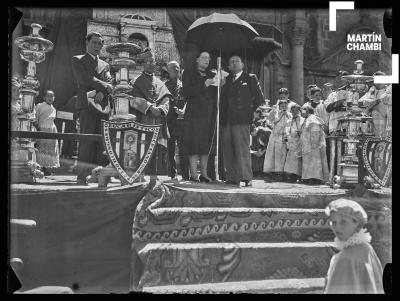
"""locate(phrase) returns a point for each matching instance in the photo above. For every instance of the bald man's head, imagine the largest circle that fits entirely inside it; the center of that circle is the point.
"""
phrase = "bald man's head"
(173, 69)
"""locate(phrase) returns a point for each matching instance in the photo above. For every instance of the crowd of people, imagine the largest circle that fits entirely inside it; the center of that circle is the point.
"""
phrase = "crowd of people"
(284, 141)
(281, 142)
(294, 146)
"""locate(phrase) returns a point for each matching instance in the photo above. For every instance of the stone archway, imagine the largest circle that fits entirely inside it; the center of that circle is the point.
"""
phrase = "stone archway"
(139, 39)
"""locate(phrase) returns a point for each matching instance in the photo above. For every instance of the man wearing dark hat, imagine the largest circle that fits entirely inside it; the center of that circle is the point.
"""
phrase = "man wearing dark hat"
(91, 73)
(151, 105)
(240, 97)
(378, 101)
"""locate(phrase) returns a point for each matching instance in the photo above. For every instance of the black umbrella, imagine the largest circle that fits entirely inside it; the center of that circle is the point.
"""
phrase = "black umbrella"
(224, 33)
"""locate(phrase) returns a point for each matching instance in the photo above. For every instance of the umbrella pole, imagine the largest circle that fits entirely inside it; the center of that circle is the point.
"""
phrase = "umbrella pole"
(218, 97)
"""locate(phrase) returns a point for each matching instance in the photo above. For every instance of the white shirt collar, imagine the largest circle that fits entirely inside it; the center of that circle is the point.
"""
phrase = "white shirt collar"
(237, 75)
(94, 57)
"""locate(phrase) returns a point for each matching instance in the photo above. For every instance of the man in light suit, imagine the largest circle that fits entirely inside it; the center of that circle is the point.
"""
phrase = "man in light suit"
(91, 73)
(240, 97)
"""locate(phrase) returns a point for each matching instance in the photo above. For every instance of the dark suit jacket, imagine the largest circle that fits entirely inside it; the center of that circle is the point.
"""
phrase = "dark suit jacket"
(240, 99)
(89, 76)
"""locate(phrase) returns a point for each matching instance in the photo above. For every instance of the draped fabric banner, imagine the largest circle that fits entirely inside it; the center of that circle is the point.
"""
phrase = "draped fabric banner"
(67, 29)
(82, 239)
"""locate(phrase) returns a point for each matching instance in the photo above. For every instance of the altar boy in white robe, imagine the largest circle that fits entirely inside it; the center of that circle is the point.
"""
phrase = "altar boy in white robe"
(292, 166)
(275, 155)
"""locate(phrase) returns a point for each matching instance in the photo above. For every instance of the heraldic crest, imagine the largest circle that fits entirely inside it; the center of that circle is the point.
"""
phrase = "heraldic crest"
(377, 158)
(129, 146)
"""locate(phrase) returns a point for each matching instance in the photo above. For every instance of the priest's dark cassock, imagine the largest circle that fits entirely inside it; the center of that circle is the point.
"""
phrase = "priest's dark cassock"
(151, 105)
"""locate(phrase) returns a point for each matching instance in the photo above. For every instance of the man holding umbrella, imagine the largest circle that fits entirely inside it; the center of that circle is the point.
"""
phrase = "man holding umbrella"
(240, 97)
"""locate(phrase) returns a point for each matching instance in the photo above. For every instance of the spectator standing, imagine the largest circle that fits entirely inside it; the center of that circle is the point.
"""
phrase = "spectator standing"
(175, 122)
(151, 106)
(313, 149)
(293, 159)
(200, 92)
(240, 97)
(91, 73)
(48, 151)
(277, 146)
(378, 101)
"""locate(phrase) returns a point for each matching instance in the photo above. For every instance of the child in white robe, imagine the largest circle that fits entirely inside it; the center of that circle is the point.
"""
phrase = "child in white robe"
(356, 269)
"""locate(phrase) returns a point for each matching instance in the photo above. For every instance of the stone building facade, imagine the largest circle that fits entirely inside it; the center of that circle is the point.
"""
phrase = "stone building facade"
(144, 27)
(310, 53)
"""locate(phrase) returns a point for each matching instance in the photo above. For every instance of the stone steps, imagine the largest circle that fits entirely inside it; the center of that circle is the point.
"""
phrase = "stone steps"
(200, 263)
(276, 286)
(219, 239)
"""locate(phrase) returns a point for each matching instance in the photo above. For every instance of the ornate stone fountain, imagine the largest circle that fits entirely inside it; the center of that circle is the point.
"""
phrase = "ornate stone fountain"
(122, 59)
(33, 50)
(121, 62)
(353, 126)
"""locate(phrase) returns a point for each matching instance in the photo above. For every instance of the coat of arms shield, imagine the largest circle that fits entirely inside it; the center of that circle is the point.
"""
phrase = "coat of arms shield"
(377, 158)
(129, 146)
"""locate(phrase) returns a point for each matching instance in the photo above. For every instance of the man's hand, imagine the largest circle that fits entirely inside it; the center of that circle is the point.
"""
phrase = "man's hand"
(99, 97)
(179, 111)
(109, 88)
(260, 153)
(156, 112)
(209, 81)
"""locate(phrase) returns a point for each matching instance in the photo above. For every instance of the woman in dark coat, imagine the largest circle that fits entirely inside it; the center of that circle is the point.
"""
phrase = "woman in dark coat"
(199, 116)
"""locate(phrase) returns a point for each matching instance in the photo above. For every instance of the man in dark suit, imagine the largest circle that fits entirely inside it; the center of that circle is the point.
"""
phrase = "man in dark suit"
(175, 122)
(91, 73)
(240, 97)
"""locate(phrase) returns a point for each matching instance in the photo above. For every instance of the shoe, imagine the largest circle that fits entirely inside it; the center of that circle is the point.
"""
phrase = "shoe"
(204, 179)
(248, 183)
(46, 171)
(174, 178)
(81, 182)
(193, 179)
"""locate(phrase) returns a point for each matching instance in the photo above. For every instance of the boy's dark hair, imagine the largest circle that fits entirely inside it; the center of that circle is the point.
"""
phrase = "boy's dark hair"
(236, 54)
(315, 90)
(94, 34)
(310, 109)
(283, 91)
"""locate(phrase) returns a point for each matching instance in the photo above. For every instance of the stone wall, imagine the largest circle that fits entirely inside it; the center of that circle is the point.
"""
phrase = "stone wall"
(158, 32)
(325, 51)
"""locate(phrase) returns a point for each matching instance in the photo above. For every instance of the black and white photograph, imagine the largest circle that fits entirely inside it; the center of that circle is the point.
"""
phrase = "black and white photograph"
(198, 150)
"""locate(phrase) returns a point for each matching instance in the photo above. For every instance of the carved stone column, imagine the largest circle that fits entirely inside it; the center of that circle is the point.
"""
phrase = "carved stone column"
(297, 38)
